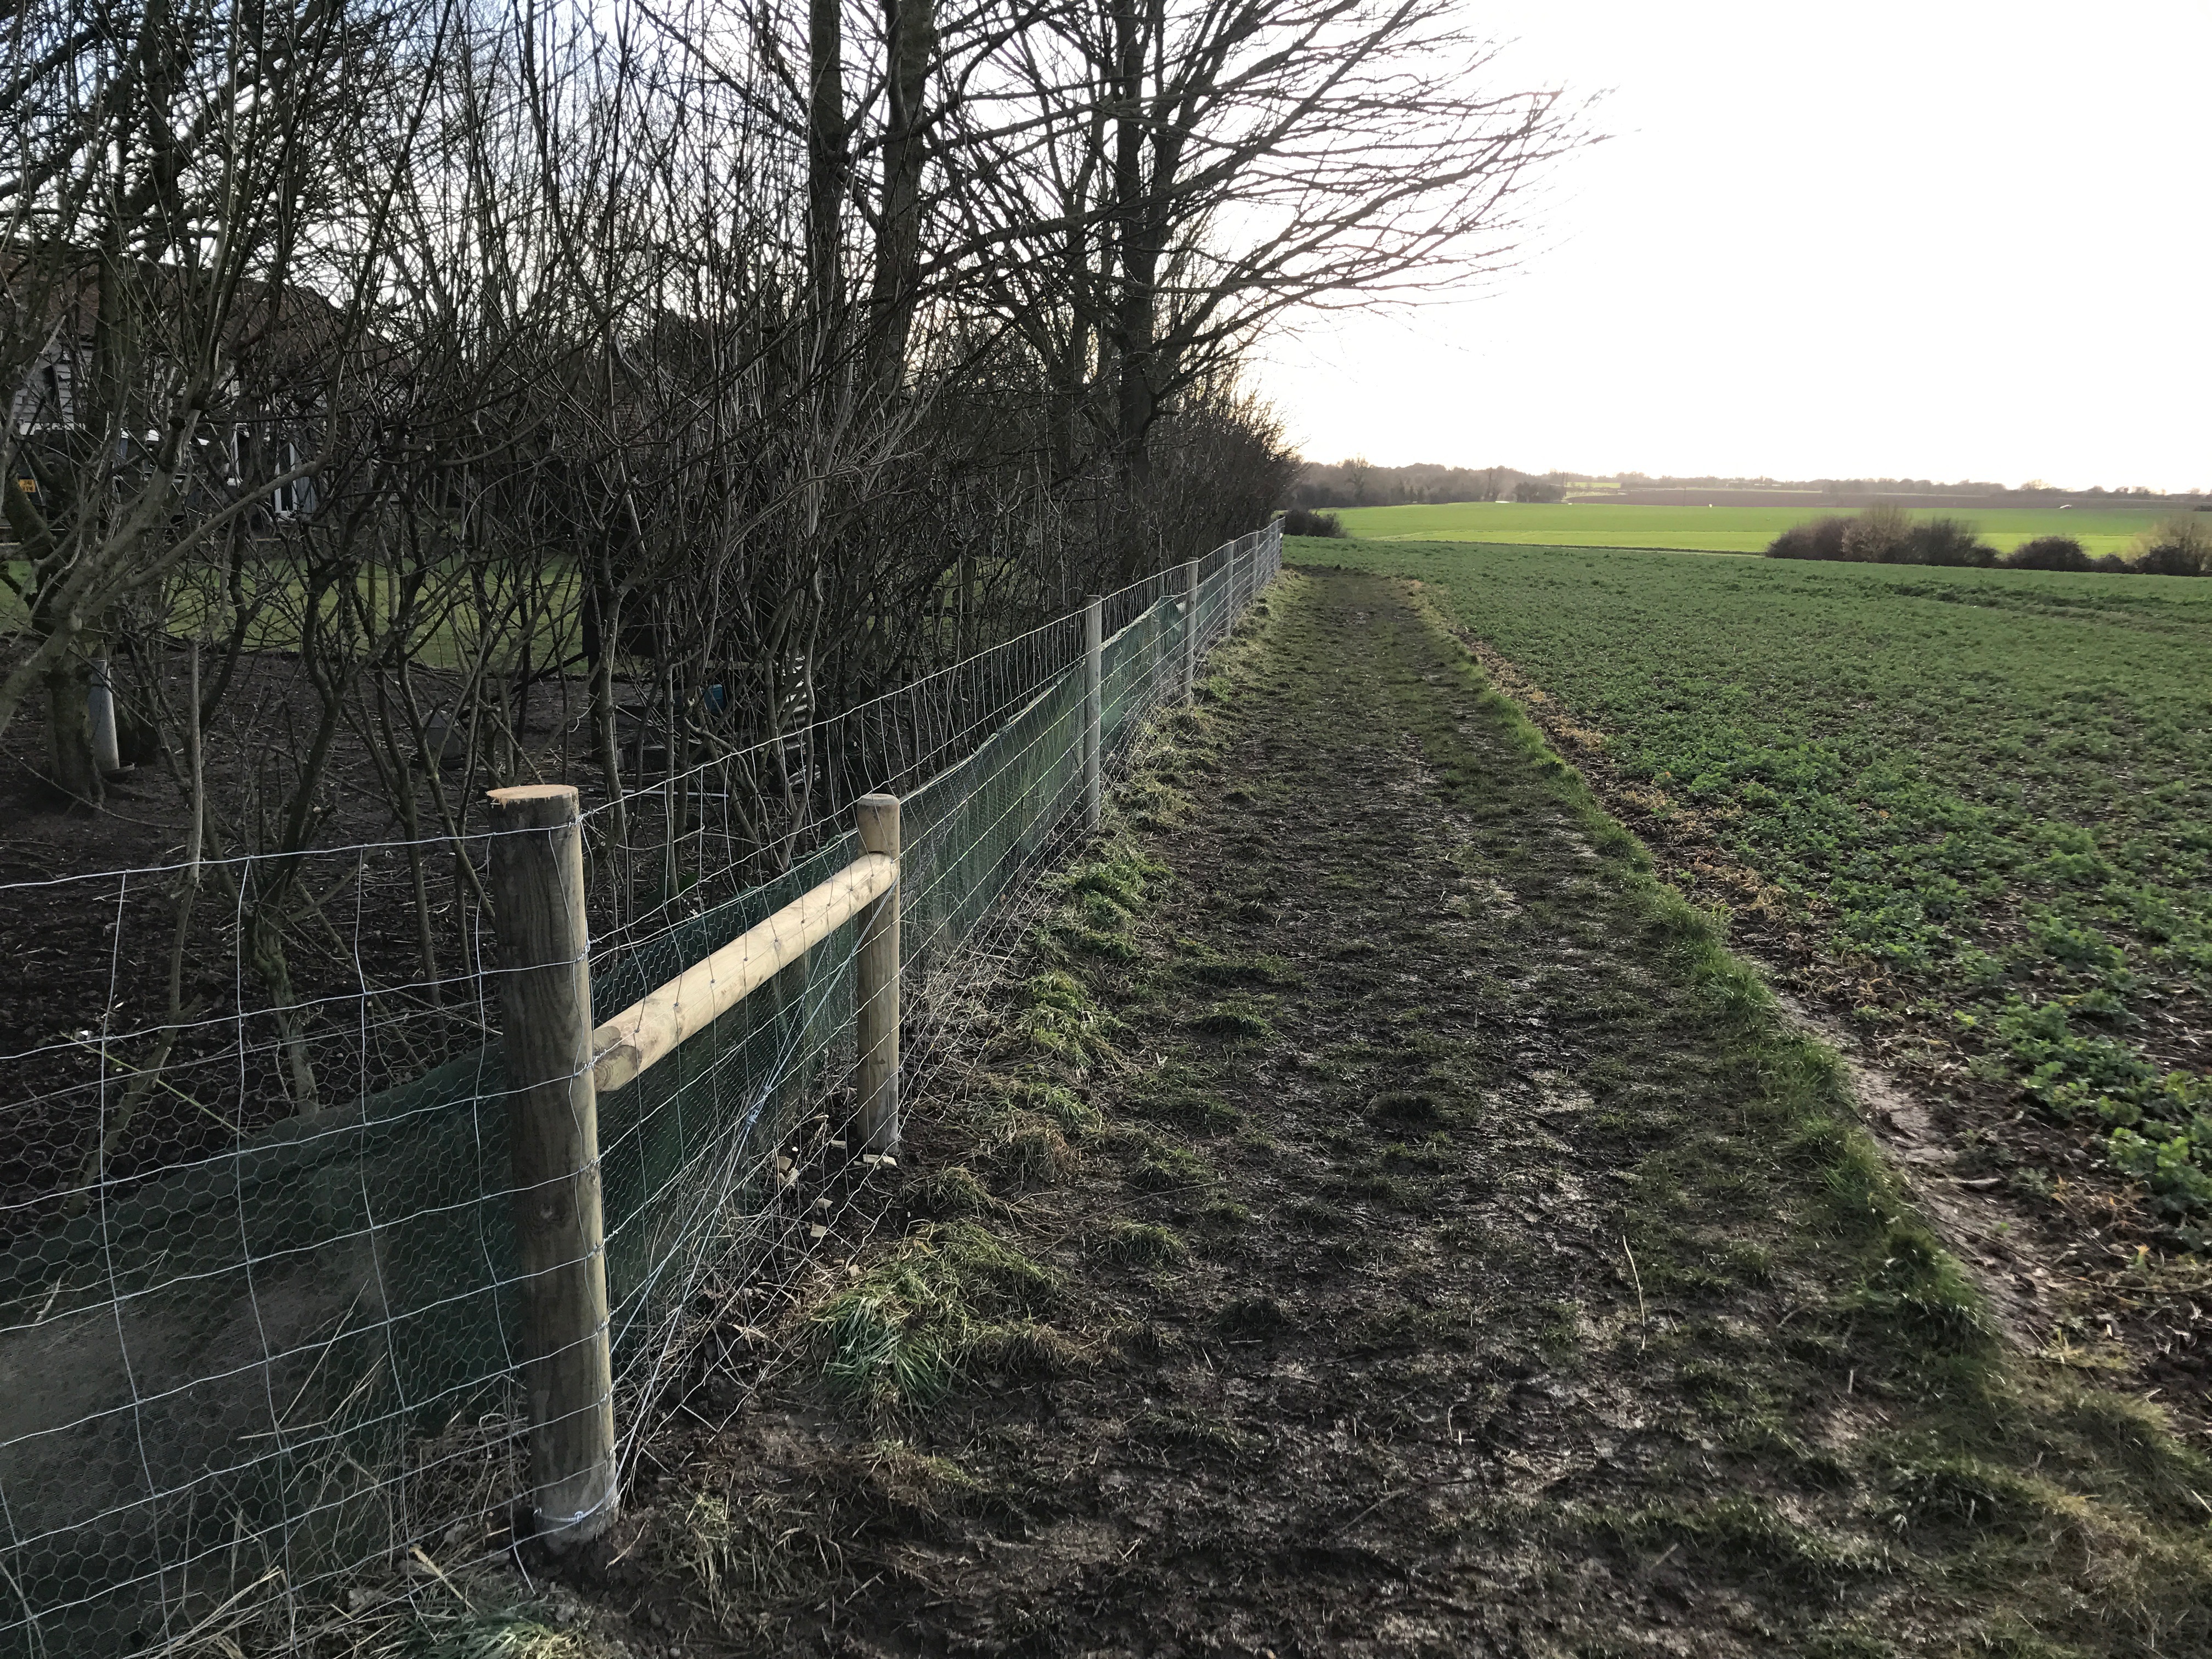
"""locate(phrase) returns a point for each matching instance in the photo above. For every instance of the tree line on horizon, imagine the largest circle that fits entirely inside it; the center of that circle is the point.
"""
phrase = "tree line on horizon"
(1357, 482)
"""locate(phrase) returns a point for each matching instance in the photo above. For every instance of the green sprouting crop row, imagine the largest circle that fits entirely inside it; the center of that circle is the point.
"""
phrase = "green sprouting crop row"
(1996, 783)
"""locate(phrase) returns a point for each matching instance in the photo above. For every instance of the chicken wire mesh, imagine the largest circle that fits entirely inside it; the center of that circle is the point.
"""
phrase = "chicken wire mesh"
(259, 1312)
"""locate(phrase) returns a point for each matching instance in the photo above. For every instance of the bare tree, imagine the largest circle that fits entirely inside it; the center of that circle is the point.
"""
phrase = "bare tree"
(162, 202)
(1150, 186)
(488, 394)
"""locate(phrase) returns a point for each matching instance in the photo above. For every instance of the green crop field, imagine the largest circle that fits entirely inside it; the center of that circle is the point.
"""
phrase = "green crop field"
(1709, 529)
(1993, 789)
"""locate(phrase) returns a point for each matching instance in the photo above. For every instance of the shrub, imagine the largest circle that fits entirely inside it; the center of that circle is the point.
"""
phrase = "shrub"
(1884, 534)
(1535, 489)
(1304, 521)
(2179, 546)
(1881, 535)
(1948, 541)
(1822, 538)
(2048, 553)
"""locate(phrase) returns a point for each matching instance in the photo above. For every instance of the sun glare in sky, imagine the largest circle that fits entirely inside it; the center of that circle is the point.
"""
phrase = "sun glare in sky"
(1934, 239)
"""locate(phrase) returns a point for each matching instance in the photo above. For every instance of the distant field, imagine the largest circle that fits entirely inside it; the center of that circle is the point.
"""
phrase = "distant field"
(1997, 784)
(1707, 529)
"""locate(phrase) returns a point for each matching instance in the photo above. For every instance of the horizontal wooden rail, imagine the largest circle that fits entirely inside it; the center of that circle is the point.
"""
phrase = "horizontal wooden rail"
(648, 1030)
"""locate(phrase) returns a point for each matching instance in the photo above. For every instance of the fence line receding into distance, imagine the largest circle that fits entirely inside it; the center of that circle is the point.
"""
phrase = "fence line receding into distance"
(277, 1273)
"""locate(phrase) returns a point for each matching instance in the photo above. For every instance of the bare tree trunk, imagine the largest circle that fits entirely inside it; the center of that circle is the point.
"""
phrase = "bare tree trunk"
(69, 735)
(912, 38)
(827, 157)
(265, 952)
(1139, 258)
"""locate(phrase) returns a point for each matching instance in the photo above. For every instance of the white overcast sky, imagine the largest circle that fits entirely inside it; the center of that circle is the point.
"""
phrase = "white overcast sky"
(1944, 239)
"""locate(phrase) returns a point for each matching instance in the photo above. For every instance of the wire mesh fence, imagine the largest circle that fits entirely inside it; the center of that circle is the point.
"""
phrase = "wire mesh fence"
(257, 1316)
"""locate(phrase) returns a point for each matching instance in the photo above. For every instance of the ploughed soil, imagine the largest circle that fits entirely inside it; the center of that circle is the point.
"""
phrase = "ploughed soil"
(1379, 1217)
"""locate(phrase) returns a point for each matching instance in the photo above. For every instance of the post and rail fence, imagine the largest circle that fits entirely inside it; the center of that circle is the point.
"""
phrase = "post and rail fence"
(558, 1061)
(396, 1322)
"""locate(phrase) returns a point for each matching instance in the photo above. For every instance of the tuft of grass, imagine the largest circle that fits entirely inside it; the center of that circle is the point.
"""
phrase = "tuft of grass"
(1122, 876)
(732, 1549)
(1034, 1155)
(1169, 1169)
(1075, 1117)
(1405, 1108)
(1749, 1535)
(1238, 1021)
(500, 1634)
(893, 1477)
(1191, 1431)
(2137, 1439)
(1025, 1349)
(1923, 1295)
(1149, 802)
(948, 1194)
(1057, 1016)
(1209, 966)
(1958, 1490)
(1144, 1244)
(1174, 1094)
(904, 1334)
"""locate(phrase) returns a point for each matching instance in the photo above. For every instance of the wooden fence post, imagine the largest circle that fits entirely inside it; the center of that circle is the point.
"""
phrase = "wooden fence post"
(876, 985)
(1094, 665)
(553, 1139)
(1190, 631)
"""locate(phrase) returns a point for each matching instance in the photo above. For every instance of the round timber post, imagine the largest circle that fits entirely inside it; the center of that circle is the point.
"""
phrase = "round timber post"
(876, 985)
(553, 1140)
(1094, 677)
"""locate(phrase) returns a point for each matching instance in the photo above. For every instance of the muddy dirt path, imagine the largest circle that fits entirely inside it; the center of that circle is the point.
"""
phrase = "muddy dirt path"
(1386, 1222)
